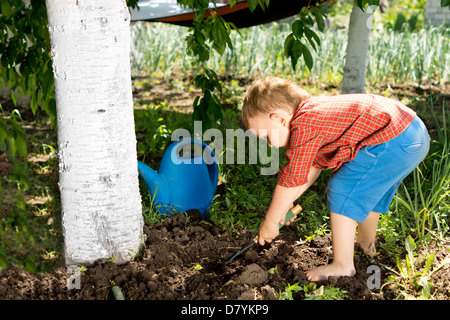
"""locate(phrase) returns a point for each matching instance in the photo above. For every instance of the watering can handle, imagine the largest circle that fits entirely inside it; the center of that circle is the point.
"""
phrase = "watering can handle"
(211, 160)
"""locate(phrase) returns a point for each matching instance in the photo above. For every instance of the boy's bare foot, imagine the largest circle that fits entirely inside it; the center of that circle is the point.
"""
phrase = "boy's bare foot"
(331, 270)
(368, 248)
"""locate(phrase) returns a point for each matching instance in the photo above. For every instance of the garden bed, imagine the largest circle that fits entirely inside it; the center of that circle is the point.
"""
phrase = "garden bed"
(183, 259)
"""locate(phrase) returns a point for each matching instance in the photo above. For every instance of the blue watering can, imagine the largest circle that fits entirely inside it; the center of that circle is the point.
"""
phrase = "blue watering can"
(184, 181)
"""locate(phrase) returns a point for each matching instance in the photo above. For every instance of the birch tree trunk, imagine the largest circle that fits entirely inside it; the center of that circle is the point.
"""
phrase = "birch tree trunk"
(358, 45)
(100, 199)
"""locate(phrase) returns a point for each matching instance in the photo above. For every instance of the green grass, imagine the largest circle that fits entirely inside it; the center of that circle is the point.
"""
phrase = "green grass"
(260, 52)
(30, 232)
(425, 195)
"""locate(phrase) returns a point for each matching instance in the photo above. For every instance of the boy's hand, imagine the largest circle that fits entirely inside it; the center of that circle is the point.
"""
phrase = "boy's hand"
(268, 231)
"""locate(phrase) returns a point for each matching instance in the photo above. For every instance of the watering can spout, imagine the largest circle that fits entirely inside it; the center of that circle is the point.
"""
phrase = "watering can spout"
(150, 177)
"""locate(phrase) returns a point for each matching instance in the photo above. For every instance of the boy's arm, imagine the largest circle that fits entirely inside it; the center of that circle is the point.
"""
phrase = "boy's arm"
(282, 201)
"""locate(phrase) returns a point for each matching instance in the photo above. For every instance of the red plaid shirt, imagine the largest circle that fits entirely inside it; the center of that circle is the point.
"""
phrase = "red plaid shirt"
(327, 131)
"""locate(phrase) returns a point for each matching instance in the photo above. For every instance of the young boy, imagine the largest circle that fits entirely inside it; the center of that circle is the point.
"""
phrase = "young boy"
(371, 143)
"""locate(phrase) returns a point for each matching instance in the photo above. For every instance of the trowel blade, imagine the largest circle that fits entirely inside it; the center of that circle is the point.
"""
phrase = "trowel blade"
(239, 252)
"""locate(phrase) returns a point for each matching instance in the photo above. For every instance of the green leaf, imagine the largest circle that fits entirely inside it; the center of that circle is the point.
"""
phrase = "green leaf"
(262, 4)
(33, 103)
(303, 12)
(12, 147)
(288, 42)
(6, 9)
(216, 108)
(220, 37)
(297, 48)
(311, 35)
(21, 144)
(195, 104)
(196, 115)
(426, 287)
(296, 53)
(288, 45)
(204, 3)
(294, 287)
(233, 26)
(319, 18)
(445, 3)
(297, 28)
(227, 202)
(252, 4)
(309, 20)
(199, 14)
(3, 262)
(203, 53)
(428, 264)
(307, 57)
(3, 131)
(410, 246)
(13, 97)
(200, 37)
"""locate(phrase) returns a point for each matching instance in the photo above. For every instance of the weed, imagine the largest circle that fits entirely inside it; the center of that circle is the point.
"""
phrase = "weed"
(273, 270)
(289, 290)
(324, 292)
(427, 197)
(412, 282)
(197, 267)
(312, 292)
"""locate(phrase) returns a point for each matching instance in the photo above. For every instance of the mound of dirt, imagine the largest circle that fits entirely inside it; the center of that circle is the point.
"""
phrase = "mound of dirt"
(183, 259)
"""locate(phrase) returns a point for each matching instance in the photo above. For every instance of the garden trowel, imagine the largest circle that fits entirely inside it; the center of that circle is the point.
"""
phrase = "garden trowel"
(289, 215)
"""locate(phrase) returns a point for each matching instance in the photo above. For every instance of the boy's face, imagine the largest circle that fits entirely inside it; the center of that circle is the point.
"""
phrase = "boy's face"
(275, 128)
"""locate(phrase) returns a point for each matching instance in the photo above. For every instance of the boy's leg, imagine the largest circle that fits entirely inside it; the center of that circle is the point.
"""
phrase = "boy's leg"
(367, 232)
(343, 237)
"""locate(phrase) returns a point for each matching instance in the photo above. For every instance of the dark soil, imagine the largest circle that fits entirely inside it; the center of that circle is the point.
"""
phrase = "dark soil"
(166, 268)
(5, 165)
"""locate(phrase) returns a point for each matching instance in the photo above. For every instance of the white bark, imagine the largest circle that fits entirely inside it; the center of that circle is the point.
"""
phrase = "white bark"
(100, 200)
(357, 48)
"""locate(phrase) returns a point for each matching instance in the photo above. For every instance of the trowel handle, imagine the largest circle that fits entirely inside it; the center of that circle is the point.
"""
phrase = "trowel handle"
(291, 214)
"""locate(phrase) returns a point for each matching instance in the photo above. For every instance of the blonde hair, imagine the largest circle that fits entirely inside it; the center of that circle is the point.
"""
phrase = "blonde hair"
(269, 94)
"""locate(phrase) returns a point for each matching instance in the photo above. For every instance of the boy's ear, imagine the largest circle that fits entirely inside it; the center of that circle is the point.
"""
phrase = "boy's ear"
(280, 117)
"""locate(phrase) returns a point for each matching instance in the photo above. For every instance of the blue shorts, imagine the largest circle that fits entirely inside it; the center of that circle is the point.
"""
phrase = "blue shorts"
(370, 181)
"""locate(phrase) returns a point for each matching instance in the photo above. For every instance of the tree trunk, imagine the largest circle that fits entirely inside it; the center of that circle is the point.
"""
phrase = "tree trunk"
(357, 47)
(100, 199)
